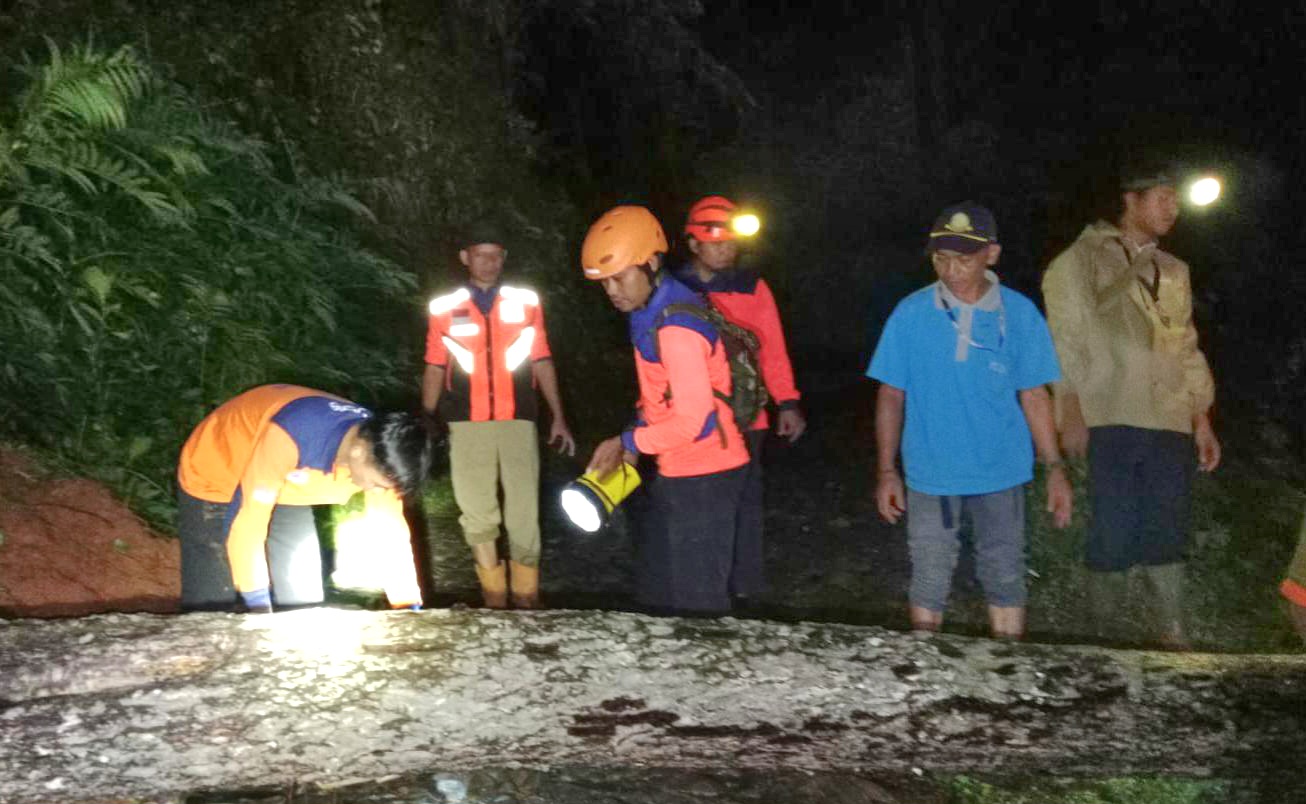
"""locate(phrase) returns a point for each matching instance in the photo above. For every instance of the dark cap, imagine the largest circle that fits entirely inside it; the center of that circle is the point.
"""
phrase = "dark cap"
(1142, 176)
(481, 231)
(966, 227)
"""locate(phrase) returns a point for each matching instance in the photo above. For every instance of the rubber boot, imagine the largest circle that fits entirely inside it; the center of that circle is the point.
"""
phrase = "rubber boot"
(525, 586)
(1167, 587)
(494, 585)
(1107, 593)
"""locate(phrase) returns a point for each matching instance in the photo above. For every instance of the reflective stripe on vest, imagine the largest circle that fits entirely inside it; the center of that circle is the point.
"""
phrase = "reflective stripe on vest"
(443, 304)
(466, 361)
(520, 349)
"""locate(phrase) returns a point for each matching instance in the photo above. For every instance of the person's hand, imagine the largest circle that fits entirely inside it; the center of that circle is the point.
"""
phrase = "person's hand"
(1208, 446)
(890, 495)
(436, 428)
(790, 423)
(607, 457)
(1074, 433)
(1061, 498)
(560, 433)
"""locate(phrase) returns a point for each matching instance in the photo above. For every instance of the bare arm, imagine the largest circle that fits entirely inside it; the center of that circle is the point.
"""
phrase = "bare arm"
(890, 494)
(432, 385)
(1037, 405)
(1208, 446)
(889, 405)
(546, 377)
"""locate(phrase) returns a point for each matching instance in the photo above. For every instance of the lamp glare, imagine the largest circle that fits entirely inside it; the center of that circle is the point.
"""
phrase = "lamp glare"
(1204, 191)
(581, 510)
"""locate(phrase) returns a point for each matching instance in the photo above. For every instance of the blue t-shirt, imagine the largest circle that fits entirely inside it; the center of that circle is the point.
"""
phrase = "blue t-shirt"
(965, 431)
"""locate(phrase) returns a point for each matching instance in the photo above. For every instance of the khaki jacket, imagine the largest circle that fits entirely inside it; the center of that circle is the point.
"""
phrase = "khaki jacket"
(1123, 328)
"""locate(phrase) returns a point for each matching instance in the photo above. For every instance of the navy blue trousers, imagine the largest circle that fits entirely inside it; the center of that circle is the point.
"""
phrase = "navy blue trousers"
(1140, 488)
(686, 548)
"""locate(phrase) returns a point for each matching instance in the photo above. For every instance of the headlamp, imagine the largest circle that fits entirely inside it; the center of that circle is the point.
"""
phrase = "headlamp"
(746, 225)
(1204, 192)
(589, 500)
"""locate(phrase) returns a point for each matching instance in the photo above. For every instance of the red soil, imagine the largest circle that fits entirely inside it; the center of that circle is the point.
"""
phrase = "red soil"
(68, 548)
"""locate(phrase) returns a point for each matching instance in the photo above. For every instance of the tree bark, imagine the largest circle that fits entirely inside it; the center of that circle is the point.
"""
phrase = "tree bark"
(143, 705)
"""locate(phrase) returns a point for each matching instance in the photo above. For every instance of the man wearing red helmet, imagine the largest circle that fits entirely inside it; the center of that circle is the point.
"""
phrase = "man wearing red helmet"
(745, 299)
(686, 548)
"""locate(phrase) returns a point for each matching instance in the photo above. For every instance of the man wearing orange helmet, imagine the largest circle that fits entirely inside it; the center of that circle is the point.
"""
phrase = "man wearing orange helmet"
(745, 299)
(687, 550)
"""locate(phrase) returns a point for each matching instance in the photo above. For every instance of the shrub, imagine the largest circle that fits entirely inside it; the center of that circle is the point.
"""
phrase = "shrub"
(153, 263)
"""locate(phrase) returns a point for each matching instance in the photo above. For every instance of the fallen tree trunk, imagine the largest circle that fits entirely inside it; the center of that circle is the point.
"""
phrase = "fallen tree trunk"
(145, 705)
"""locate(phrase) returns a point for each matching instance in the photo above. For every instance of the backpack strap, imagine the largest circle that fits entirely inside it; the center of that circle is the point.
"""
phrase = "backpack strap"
(692, 310)
(703, 315)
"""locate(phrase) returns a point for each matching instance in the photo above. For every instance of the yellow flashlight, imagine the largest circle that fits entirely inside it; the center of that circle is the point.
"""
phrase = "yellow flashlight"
(589, 500)
(746, 225)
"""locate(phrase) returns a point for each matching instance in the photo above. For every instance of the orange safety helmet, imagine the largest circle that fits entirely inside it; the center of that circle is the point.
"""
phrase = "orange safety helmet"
(620, 238)
(710, 219)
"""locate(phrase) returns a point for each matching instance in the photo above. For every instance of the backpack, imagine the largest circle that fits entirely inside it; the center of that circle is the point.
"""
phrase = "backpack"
(748, 394)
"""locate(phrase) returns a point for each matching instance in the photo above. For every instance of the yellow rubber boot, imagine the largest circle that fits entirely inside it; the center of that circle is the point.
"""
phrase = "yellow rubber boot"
(494, 585)
(525, 586)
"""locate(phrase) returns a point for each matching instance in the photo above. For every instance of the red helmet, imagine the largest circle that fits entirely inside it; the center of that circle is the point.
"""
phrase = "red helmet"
(710, 219)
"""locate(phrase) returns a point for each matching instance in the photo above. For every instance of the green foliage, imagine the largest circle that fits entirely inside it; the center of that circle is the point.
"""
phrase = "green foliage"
(1126, 790)
(153, 263)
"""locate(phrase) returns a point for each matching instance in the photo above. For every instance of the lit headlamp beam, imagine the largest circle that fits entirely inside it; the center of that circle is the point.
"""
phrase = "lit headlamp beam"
(746, 225)
(1204, 191)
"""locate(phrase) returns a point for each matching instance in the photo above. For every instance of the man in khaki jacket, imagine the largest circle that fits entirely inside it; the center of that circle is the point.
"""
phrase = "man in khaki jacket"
(1136, 396)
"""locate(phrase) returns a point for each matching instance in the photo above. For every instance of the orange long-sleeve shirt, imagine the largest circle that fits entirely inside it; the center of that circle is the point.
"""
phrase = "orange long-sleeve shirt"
(277, 444)
(683, 422)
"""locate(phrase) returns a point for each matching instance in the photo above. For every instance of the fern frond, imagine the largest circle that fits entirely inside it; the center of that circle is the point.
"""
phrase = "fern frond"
(88, 89)
(24, 242)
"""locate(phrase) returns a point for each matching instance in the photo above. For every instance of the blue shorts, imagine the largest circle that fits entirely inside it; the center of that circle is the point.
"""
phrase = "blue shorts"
(933, 538)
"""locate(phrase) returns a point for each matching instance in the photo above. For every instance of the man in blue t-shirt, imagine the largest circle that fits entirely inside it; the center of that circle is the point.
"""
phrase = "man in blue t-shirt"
(968, 359)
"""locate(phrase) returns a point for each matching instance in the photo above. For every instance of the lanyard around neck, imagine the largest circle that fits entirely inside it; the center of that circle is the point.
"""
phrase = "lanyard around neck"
(1002, 324)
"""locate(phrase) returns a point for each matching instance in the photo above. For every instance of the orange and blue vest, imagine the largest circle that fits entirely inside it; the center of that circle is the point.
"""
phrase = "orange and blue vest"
(277, 445)
(487, 352)
(746, 300)
(682, 420)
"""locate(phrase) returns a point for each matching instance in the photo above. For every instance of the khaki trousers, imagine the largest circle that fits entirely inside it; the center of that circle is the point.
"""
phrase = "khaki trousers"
(481, 454)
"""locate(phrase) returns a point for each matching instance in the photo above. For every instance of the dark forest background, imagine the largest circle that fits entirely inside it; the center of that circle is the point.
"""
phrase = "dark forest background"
(337, 146)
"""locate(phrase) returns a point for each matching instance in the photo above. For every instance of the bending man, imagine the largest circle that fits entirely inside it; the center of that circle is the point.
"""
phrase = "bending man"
(251, 469)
